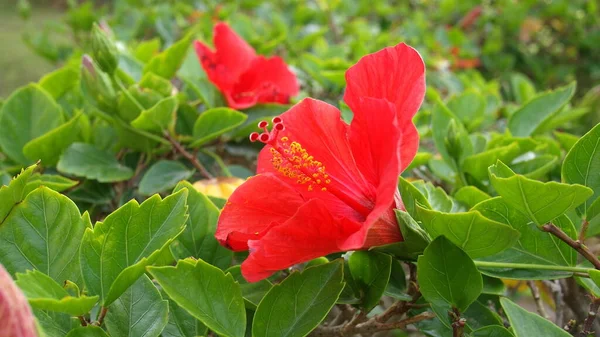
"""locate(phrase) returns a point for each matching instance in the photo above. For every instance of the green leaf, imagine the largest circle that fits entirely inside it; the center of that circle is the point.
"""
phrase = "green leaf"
(522, 88)
(440, 124)
(58, 82)
(469, 107)
(85, 160)
(477, 164)
(158, 118)
(533, 246)
(396, 287)
(44, 293)
(27, 114)
(154, 82)
(253, 292)
(566, 140)
(14, 192)
(215, 122)
(88, 331)
(435, 195)
(582, 164)
(138, 312)
(536, 168)
(542, 202)
(527, 324)
(163, 175)
(202, 90)
(297, 305)
(181, 323)
(43, 232)
(52, 181)
(595, 276)
(207, 293)
(371, 271)
(168, 62)
(411, 196)
(492, 331)
(493, 286)
(531, 116)
(131, 103)
(198, 239)
(48, 147)
(473, 233)
(447, 276)
(55, 324)
(470, 196)
(415, 239)
(115, 253)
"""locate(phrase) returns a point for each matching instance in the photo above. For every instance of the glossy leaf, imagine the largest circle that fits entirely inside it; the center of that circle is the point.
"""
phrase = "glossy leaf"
(371, 271)
(253, 292)
(215, 122)
(85, 160)
(27, 114)
(582, 164)
(138, 312)
(470, 196)
(492, 331)
(533, 246)
(181, 323)
(88, 331)
(207, 293)
(198, 239)
(297, 305)
(415, 238)
(168, 62)
(447, 276)
(43, 232)
(14, 192)
(473, 233)
(162, 176)
(527, 324)
(45, 294)
(50, 146)
(115, 253)
(542, 202)
(158, 118)
(527, 120)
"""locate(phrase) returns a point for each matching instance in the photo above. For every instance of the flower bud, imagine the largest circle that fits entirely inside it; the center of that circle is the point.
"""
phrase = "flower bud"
(104, 50)
(218, 187)
(16, 318)
(97, 86)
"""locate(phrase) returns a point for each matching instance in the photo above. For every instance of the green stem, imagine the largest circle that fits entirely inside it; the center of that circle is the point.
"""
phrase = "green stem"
(499, 265)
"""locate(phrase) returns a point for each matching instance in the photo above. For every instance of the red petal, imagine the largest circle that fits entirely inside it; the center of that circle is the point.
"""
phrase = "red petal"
(266, 81)
(318, 128)
(375, 138)
(260, 202)
(311, 233)
(396, 74)
(231, 58)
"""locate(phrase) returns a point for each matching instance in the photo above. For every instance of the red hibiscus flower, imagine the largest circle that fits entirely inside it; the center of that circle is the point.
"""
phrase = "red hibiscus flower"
(16, 318)
(324, 186)
(243, 77)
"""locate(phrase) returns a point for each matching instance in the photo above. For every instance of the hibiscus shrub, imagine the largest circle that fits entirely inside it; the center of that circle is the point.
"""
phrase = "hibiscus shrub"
(306, 173)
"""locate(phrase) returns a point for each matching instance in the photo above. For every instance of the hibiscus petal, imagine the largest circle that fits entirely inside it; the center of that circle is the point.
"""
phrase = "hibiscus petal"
(268, 80)
(375, 137)
(311, 233)
(260, 202)
(231, 58)
(396, 74)
(317, 127)
(16, 318)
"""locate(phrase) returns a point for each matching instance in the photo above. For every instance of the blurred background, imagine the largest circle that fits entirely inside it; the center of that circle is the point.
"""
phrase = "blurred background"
(551, 42)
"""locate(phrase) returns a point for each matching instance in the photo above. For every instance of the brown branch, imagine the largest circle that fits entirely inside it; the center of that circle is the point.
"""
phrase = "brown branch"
(103, 312)
(535, 292)
(371, 326)
(559, 305)
(401, 307)
(577, 245)
(591, 317)
(584, 227)
(190, 157)
(458, 323)
(83, 321)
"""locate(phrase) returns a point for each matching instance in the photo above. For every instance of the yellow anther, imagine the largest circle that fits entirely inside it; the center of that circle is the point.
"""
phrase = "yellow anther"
(284, 139)
(324, 189)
